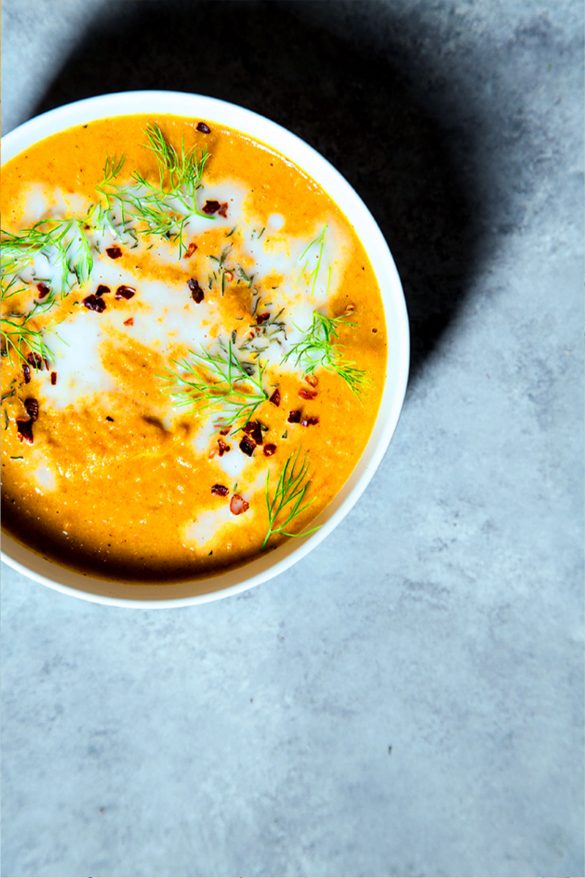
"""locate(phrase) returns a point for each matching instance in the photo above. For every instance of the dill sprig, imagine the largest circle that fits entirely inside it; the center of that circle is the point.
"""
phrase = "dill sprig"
(63, 243)
(315, 249)
(163, 208)
(17, 334)
(218, 380)
(288, 500)
(320, 348)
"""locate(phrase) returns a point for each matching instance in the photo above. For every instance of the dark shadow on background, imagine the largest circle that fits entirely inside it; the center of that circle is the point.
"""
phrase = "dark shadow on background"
(376, 118)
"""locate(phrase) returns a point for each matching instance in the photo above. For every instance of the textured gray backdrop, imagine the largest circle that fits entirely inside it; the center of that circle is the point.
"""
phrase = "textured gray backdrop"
(407, 700)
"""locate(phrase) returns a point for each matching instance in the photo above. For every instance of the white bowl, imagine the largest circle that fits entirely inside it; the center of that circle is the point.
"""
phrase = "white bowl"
(196, 591)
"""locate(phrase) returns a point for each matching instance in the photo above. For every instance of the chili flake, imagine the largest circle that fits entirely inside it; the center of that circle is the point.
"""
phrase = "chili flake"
(275, 398)
(53, 378)
(238, 504)
(25, 430)
(221, 490)
(247, 445)
(43, 289)
(307, 394)
(32, 407)
(197, 293)
(94, 303)
(125, 292)
(203, 127)
(269, 449)
(294, 417)
(114, 252)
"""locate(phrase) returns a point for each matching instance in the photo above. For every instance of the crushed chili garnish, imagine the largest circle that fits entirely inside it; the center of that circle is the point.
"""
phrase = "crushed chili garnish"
(32, 407)
(312, 380)
(215, 207)
(197, 293)
(294, 417)
(102, 288)
(25, 429)
(43, 289)
(26, 373)
(129, 322)
(190, 250)
(275, 398)
(224, 432)
(254, 429)
(109, 418)
(307, 394)
(222, 446)
(94, 303)
(262, 318)
(309, 421)
(247, 445)
(203, 127)
(35, 360)
(53, 377)
(113, 252)
(125, 292)
(238, 504)
(269, 449)
(220, 489)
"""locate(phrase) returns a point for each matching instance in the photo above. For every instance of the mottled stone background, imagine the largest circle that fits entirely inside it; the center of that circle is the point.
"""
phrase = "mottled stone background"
(408, 699)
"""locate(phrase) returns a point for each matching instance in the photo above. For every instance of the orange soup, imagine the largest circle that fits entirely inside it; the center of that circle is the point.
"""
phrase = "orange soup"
(193, 347)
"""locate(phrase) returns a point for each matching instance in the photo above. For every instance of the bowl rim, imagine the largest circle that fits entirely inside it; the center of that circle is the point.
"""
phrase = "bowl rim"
(106, 590)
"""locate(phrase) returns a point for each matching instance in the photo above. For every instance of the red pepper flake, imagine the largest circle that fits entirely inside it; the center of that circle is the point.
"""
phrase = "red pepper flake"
(25, 430)
(262, 318)
(294, 417)
(307, 394)
(53, 378)
(269, 449)
(238, 504)
(312, 380)
(32, 407)
(275, 398)
(190, 250)
(129, 322)
(310, 421)
(102, 288)
(35, 360)
(197, 293)
(225, 431)
(125, 292)
(26, 373)
(223, 209)
(113, 252)
(247, 445)
(94, 303)
(221, 490)
(254, 429)
(43, 289)
(223, 447)
(212, 207)
(109, 418)
(203, 127)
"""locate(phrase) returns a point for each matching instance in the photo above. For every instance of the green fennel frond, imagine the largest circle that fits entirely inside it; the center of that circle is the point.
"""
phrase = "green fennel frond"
(287, 501)
(220, 381)
(320, 348)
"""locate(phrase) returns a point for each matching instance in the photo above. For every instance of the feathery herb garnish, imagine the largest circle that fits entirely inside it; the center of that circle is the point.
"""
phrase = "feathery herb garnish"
(320, 347)
(314, 250)
(163, 208)
(17, 335)
(288, 500)
(218, 380)
(62, 242)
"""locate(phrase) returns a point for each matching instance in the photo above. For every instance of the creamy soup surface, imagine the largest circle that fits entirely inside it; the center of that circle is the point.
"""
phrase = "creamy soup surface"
(193, 347)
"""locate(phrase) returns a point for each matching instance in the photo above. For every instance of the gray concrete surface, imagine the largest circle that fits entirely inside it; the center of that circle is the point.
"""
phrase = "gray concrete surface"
(408, 699)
